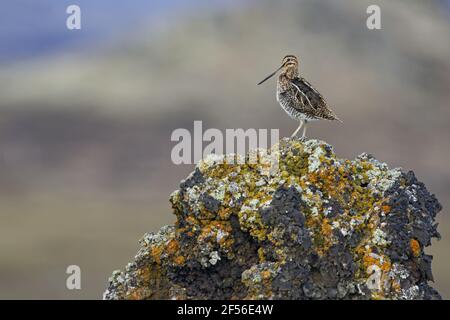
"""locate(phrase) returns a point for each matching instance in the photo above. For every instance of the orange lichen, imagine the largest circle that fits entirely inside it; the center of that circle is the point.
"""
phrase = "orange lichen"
(326, 228)
(144, 274)
(311, 223)
(415, 247)
(265, 274)
(386, 266)
(224, 213)
(386, 208)
(396, 286)
(179, 260)
(172, 246)
(377, 296)
(382, 262)
(156, 252)
(137, 294)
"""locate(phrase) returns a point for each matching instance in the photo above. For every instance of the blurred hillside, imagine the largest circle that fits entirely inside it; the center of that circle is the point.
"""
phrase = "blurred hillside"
(85, 135)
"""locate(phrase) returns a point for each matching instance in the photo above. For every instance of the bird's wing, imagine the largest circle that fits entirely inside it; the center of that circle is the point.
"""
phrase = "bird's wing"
(311, 98)
(307, 94)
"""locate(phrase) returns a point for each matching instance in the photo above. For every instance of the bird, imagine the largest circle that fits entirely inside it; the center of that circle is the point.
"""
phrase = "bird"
(298, 98)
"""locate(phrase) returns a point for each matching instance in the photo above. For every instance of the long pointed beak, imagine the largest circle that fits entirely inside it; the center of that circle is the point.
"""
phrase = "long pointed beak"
(269, 76)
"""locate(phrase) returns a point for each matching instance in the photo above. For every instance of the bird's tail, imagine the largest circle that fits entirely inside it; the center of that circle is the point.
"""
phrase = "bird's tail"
(332, 116)
(337, 119)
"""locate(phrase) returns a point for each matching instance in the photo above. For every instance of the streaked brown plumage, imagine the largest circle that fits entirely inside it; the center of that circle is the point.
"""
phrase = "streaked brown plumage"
(298, 97)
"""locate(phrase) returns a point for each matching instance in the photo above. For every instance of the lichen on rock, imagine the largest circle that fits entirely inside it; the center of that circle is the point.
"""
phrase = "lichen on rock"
(319, 227)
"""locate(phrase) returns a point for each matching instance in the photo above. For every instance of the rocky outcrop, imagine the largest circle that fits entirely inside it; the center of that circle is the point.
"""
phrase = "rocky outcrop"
(317, 227)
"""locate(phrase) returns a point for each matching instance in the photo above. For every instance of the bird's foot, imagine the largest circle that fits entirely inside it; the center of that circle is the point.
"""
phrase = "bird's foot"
(301, 139)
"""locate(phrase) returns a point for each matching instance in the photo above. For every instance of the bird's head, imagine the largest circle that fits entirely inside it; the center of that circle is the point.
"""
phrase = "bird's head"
(289, 68)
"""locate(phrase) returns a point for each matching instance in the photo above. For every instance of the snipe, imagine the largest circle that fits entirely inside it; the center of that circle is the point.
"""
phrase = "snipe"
(298, 97)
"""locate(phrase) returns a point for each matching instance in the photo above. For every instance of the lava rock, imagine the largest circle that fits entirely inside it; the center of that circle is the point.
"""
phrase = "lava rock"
(312, 227)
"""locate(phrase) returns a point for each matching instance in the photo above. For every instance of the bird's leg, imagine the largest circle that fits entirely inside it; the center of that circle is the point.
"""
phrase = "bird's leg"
(304, 131)
(298, 129)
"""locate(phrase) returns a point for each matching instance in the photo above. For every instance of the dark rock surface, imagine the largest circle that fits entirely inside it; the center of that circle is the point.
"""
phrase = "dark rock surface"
(311, 227)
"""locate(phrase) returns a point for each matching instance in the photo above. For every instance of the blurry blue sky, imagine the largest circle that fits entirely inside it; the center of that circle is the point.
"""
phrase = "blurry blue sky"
(29, 28)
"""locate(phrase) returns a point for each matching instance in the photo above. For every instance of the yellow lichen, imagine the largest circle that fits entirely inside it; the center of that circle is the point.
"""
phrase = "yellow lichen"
(261, 255)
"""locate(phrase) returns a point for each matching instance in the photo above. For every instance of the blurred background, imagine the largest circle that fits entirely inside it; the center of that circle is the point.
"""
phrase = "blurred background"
(86, 115)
